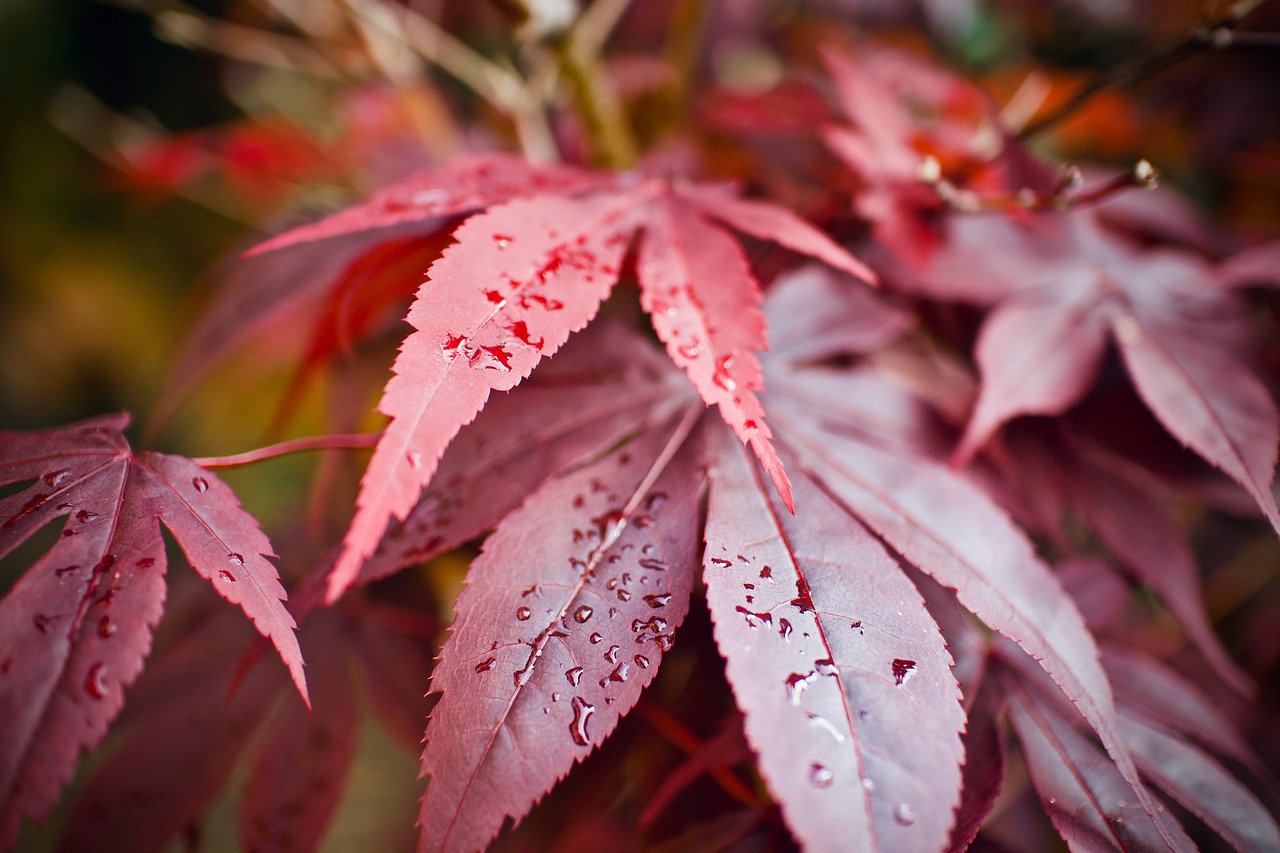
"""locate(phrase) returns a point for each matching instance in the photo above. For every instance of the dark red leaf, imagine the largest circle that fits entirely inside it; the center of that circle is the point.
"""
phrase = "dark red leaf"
(843, 676)
(1080, 789)
(77, 625)
(603, 385)
(564, 620)
(1200, 784)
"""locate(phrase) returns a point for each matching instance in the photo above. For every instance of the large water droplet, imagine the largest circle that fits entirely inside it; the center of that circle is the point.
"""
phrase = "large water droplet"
(903, 814)
(582, 614)
(784, 629)
(95, 682)
(819, 776)
(657, 600)
(582, 711)
(653, 564)
(826, 666)
(56, 479)
(796, 685)
(716, 561)
(236, 559)
(226, 576)
(596, 638)
(85, 516)
(825, 724)
(620, 673)
(502, 241)
(624, 595)
(755, 620)
(201, 484)
(574, 675)
(42, 622)
(145, 563)
(642, 661)
(106, 627)
(523, 614)
(612, 655)
(902, 670)
(486, 664)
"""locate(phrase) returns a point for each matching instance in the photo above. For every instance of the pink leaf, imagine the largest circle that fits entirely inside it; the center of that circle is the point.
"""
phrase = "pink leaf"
(843, 676)
(521, 278)
(1038, 355)
(564, 621)
(464, 185)
(950, 530)
(1207, 399)
(984, 768)
(853, 318)
(775, 224)
(604, 383)
(1080, 789)
(691, 275)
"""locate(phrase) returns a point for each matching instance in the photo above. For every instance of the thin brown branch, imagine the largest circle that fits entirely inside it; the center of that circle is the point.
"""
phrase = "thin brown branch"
(1215, 34)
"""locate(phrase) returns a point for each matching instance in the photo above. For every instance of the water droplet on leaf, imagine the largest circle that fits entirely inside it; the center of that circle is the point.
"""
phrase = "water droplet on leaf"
(819, 776)
(596, 638)
(582, 614)
(486, 664)
(902, 670)
(574, 675)
(200, 484)
(612, 655)
(95, 682)
(582, 711)
(796, 685)
(236, 559)
(903, 814)
(106, 627)
(657, 600)
(226, 576)
(523, 614)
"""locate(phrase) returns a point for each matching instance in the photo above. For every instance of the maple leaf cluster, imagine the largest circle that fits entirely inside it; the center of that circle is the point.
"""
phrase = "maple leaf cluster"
(914, 495)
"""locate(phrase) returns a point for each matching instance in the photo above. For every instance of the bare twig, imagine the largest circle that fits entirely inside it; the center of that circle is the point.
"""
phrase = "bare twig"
(351, 441)
(1215, 34)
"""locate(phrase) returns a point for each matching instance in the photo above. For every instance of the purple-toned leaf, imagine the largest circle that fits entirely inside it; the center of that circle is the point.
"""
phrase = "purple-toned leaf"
(950, 530)
(564, 620)
(1038, 353)
(296, 780)
(1200, 784)
(1256, 265)
(773, 223)
(222, 542)
(1207, 399)
(853, 320)
(598, 389)
(77, 625)
(521, 278)
(984, 768)
(1081, 789)
(842, 674)
(1145, 684)
(692, 274)
(464, 185)
(1141, 533)
(178, 744)
(1097, 589)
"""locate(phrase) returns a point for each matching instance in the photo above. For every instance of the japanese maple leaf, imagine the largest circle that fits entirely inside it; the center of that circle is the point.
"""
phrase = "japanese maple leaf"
(76, 627)
(158, 780)
(526, 274)
(334, 274)
(829, 647)
(1062, 286)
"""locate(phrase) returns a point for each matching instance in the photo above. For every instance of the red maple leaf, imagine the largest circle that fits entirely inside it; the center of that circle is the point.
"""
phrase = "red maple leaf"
(526, 274)
(76, 627)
